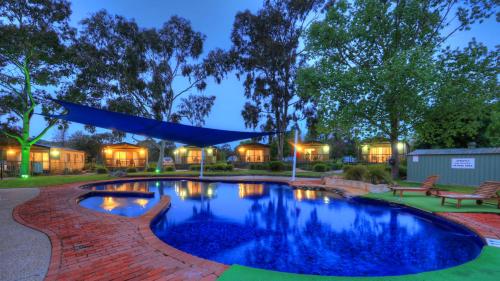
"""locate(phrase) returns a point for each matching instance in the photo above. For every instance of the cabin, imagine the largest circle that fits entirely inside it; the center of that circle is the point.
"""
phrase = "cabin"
(313, 151)
(124, 155)
(381, 151)
(44, 159)
(192, 155)
(253, 153)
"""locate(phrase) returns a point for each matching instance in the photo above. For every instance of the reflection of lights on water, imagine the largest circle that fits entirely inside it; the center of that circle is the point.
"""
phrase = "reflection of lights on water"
(305, 194)
(109, 203)
(157, 183)
(249, 189)
(326, 199)
(141, 202)
(182, 194)
(210, 192)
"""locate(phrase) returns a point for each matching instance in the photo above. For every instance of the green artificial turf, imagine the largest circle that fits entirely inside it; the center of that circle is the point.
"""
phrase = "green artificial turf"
(484, 268)
(433, 204)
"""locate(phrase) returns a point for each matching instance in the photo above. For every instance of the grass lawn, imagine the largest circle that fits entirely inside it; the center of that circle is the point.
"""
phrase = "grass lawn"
(306, 174)
(485, 268)
(42, 181)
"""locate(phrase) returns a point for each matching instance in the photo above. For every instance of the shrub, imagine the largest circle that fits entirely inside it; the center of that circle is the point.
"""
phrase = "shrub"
(101, 170)
(151, 169)
(377, 175)
(276, 166)
(229, 167)
(131, 170)
(402, 172)
(195, 167)
(336, 166)
(357, 172)
(170, 168)
(320, 167)
(259, 166)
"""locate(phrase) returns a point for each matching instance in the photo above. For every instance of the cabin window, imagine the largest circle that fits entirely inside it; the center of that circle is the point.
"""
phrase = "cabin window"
(254, 155)
(194, 156)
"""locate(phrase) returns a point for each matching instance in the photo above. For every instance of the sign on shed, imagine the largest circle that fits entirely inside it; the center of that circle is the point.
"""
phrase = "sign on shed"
(463, 163)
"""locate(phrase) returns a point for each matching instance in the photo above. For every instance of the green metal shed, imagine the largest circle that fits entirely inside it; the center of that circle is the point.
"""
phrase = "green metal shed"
(461, 166)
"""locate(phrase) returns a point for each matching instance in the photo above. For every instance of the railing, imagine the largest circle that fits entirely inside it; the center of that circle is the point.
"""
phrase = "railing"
(313, 157)
(113, 163)
(256, 159)
(379, 158)
(13, 168)
(195, 159)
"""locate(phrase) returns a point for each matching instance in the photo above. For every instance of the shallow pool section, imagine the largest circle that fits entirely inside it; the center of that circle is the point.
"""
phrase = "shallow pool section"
(271, 226)
(119, 205)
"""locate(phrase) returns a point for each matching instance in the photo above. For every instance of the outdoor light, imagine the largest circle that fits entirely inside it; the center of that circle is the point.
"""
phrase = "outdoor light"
(182, 150)
(142, 151)
(400, 146)
(108, 151)
(157, 171)
(209, 150)
(241, 149)
(24, 176)
(54, 153)
(326, 148)
(10, 151)
(299, 148)
(176, 151)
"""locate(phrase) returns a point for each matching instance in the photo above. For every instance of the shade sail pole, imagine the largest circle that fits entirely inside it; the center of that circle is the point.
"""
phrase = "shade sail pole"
(295, 154)
(202, 160)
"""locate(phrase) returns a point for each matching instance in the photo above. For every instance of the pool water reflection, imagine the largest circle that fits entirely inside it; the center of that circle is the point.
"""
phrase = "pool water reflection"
(272, 226)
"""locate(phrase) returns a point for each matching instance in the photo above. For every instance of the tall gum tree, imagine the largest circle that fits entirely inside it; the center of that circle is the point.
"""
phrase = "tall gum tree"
(34, 40)
(372, 62)
(266, 52)
(145, 71)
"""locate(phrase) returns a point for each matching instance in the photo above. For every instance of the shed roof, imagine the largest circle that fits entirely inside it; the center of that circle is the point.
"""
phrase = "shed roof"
(457, 151)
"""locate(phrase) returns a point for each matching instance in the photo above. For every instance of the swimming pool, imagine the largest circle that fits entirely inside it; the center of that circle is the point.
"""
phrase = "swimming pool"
(275, 227)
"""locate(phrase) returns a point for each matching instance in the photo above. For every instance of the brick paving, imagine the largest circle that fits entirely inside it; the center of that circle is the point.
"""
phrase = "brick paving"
(486, 225)
(88, 245)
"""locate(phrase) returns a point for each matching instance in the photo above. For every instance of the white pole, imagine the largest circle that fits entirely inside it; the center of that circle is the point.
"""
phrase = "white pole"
(295, 154)
(202, 160)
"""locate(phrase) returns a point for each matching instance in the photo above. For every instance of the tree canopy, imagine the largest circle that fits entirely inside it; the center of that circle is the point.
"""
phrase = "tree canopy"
(373, 63)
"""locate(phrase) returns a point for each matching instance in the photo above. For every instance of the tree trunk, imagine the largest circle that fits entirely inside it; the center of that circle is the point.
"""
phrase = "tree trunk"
(281, 142)
(395, 156)
(25, 159)
(161, 155)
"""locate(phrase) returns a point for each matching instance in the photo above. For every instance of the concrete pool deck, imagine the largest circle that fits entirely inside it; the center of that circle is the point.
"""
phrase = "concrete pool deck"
(24, 252)
(88, 245)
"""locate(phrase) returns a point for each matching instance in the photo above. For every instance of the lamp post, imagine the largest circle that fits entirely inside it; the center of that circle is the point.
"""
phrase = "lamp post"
(202, 160)
(295, 154)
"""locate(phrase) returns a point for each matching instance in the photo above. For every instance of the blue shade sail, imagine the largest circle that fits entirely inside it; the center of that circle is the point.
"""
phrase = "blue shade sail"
(186, 134)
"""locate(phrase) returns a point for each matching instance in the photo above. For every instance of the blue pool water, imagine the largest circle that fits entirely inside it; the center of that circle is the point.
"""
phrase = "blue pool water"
(272, 226)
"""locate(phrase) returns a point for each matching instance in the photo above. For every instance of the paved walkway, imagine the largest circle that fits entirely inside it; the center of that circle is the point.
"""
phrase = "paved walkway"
(24, 252)
(87, 245)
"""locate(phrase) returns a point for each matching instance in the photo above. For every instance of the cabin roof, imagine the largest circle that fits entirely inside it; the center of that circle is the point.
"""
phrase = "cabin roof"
(253, 144)
(123, 144)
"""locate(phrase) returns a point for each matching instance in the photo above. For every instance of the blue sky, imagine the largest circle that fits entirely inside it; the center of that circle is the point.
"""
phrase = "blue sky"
(214, 18)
